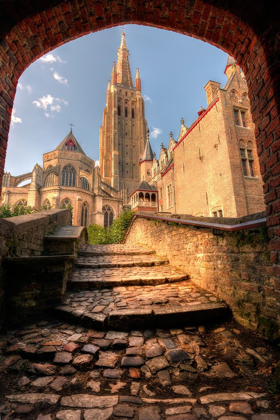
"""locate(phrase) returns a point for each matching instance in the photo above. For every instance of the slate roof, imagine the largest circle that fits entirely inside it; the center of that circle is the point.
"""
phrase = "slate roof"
(148, 152)
(146, 187)
(71, 136)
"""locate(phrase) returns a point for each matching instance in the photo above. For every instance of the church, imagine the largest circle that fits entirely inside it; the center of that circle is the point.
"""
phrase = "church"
(212, 168)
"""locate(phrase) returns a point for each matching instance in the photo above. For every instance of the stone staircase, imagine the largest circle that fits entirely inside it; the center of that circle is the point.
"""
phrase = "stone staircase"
(121, 288)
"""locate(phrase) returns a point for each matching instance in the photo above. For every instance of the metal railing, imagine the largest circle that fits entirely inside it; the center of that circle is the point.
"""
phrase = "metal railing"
(198, 223)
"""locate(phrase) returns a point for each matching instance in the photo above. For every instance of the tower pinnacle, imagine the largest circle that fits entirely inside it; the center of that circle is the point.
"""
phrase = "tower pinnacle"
(138, 80)
(123, 67)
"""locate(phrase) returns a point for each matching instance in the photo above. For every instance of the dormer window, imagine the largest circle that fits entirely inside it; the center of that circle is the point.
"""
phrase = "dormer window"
(70, 145)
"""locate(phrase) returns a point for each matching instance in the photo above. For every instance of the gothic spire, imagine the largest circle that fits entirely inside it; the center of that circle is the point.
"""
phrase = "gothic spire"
(114, 74)
(148, 152)
(123, 67)
(138, 80)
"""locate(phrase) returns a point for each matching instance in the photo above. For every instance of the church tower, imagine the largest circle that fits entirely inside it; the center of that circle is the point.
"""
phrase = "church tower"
(124, 127)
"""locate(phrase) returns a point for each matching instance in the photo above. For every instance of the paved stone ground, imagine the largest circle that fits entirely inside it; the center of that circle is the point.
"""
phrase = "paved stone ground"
(126, 287)
(50, 370)
(135, 297)
(56, 370)
(115, 249)
(120, 260)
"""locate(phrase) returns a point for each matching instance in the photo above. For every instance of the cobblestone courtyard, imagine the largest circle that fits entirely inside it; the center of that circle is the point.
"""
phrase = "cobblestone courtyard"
(52, 370)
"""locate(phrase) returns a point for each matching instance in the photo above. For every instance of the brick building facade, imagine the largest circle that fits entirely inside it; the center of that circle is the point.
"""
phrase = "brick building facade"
(213, 169)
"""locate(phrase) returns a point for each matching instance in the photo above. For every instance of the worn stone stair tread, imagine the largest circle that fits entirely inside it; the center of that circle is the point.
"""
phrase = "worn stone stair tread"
(120, 261)
(100, 283)
(125, 319)
(114, 249)
(118, 276)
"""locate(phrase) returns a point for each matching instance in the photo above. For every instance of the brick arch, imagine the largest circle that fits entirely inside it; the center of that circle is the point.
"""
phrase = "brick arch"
(246, 30)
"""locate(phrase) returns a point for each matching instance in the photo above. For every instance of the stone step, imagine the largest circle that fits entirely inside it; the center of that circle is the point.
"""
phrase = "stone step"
(108, 261)
(114, 249)
(162, 306)
(100, 278)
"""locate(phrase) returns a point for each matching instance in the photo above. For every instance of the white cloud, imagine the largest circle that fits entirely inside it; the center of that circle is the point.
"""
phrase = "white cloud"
(49, 103)
(60, 79)
(155, 132)
(27, 87)
(147, 98)
(50, 58)
(15, 120)
(56, 108)
(96, 163)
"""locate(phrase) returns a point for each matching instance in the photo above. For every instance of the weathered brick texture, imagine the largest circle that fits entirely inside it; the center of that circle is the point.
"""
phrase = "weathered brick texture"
(233, 266)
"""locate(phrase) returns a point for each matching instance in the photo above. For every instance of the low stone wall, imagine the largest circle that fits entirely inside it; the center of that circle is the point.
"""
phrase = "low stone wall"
(235, 267)
(22, 236)
(34, 286)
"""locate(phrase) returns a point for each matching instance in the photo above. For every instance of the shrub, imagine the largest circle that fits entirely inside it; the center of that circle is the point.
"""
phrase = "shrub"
(99, 235)
(8, 211)
(119, 225)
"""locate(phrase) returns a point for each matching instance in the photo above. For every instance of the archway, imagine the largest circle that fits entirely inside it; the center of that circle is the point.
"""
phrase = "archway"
(246, 31)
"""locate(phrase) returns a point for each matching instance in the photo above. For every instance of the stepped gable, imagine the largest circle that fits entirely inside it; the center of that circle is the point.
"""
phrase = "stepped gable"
(70, 143)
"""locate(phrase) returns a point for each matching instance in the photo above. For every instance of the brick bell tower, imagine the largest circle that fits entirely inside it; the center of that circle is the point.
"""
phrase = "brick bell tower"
(124, 128)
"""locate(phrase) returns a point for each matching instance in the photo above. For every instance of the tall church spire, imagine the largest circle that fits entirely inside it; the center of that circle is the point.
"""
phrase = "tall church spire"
(123, 67)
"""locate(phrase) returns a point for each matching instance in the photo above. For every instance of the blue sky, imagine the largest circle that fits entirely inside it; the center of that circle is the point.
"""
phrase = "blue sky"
(68, 85)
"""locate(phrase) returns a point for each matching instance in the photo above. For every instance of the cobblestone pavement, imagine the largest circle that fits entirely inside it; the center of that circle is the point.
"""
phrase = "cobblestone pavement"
(135, 297)
(126, 287)
(115, 249)
(52, 370)
(121, 260)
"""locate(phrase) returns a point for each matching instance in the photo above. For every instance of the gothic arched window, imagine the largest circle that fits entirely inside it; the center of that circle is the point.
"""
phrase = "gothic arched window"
(84, 183)
(65, 203)
(108, 215)
(125, 111)
(21, 202)
(84, 214)
(46, 204)
(132, 113)
(68, 176)
(49, 181)
(119, 110)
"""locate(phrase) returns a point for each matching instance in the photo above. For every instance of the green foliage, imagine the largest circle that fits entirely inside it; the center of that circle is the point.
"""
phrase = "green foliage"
(251, 237)
(99, 235)
(8, 211)
(119, 225)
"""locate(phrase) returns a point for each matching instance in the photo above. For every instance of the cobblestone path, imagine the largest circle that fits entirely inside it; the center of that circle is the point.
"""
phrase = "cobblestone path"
(125, 287)
(50, 370)
(122, 358)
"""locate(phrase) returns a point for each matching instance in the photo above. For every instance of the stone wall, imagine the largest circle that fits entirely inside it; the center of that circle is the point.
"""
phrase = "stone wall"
(234, 266)
(23, 236)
